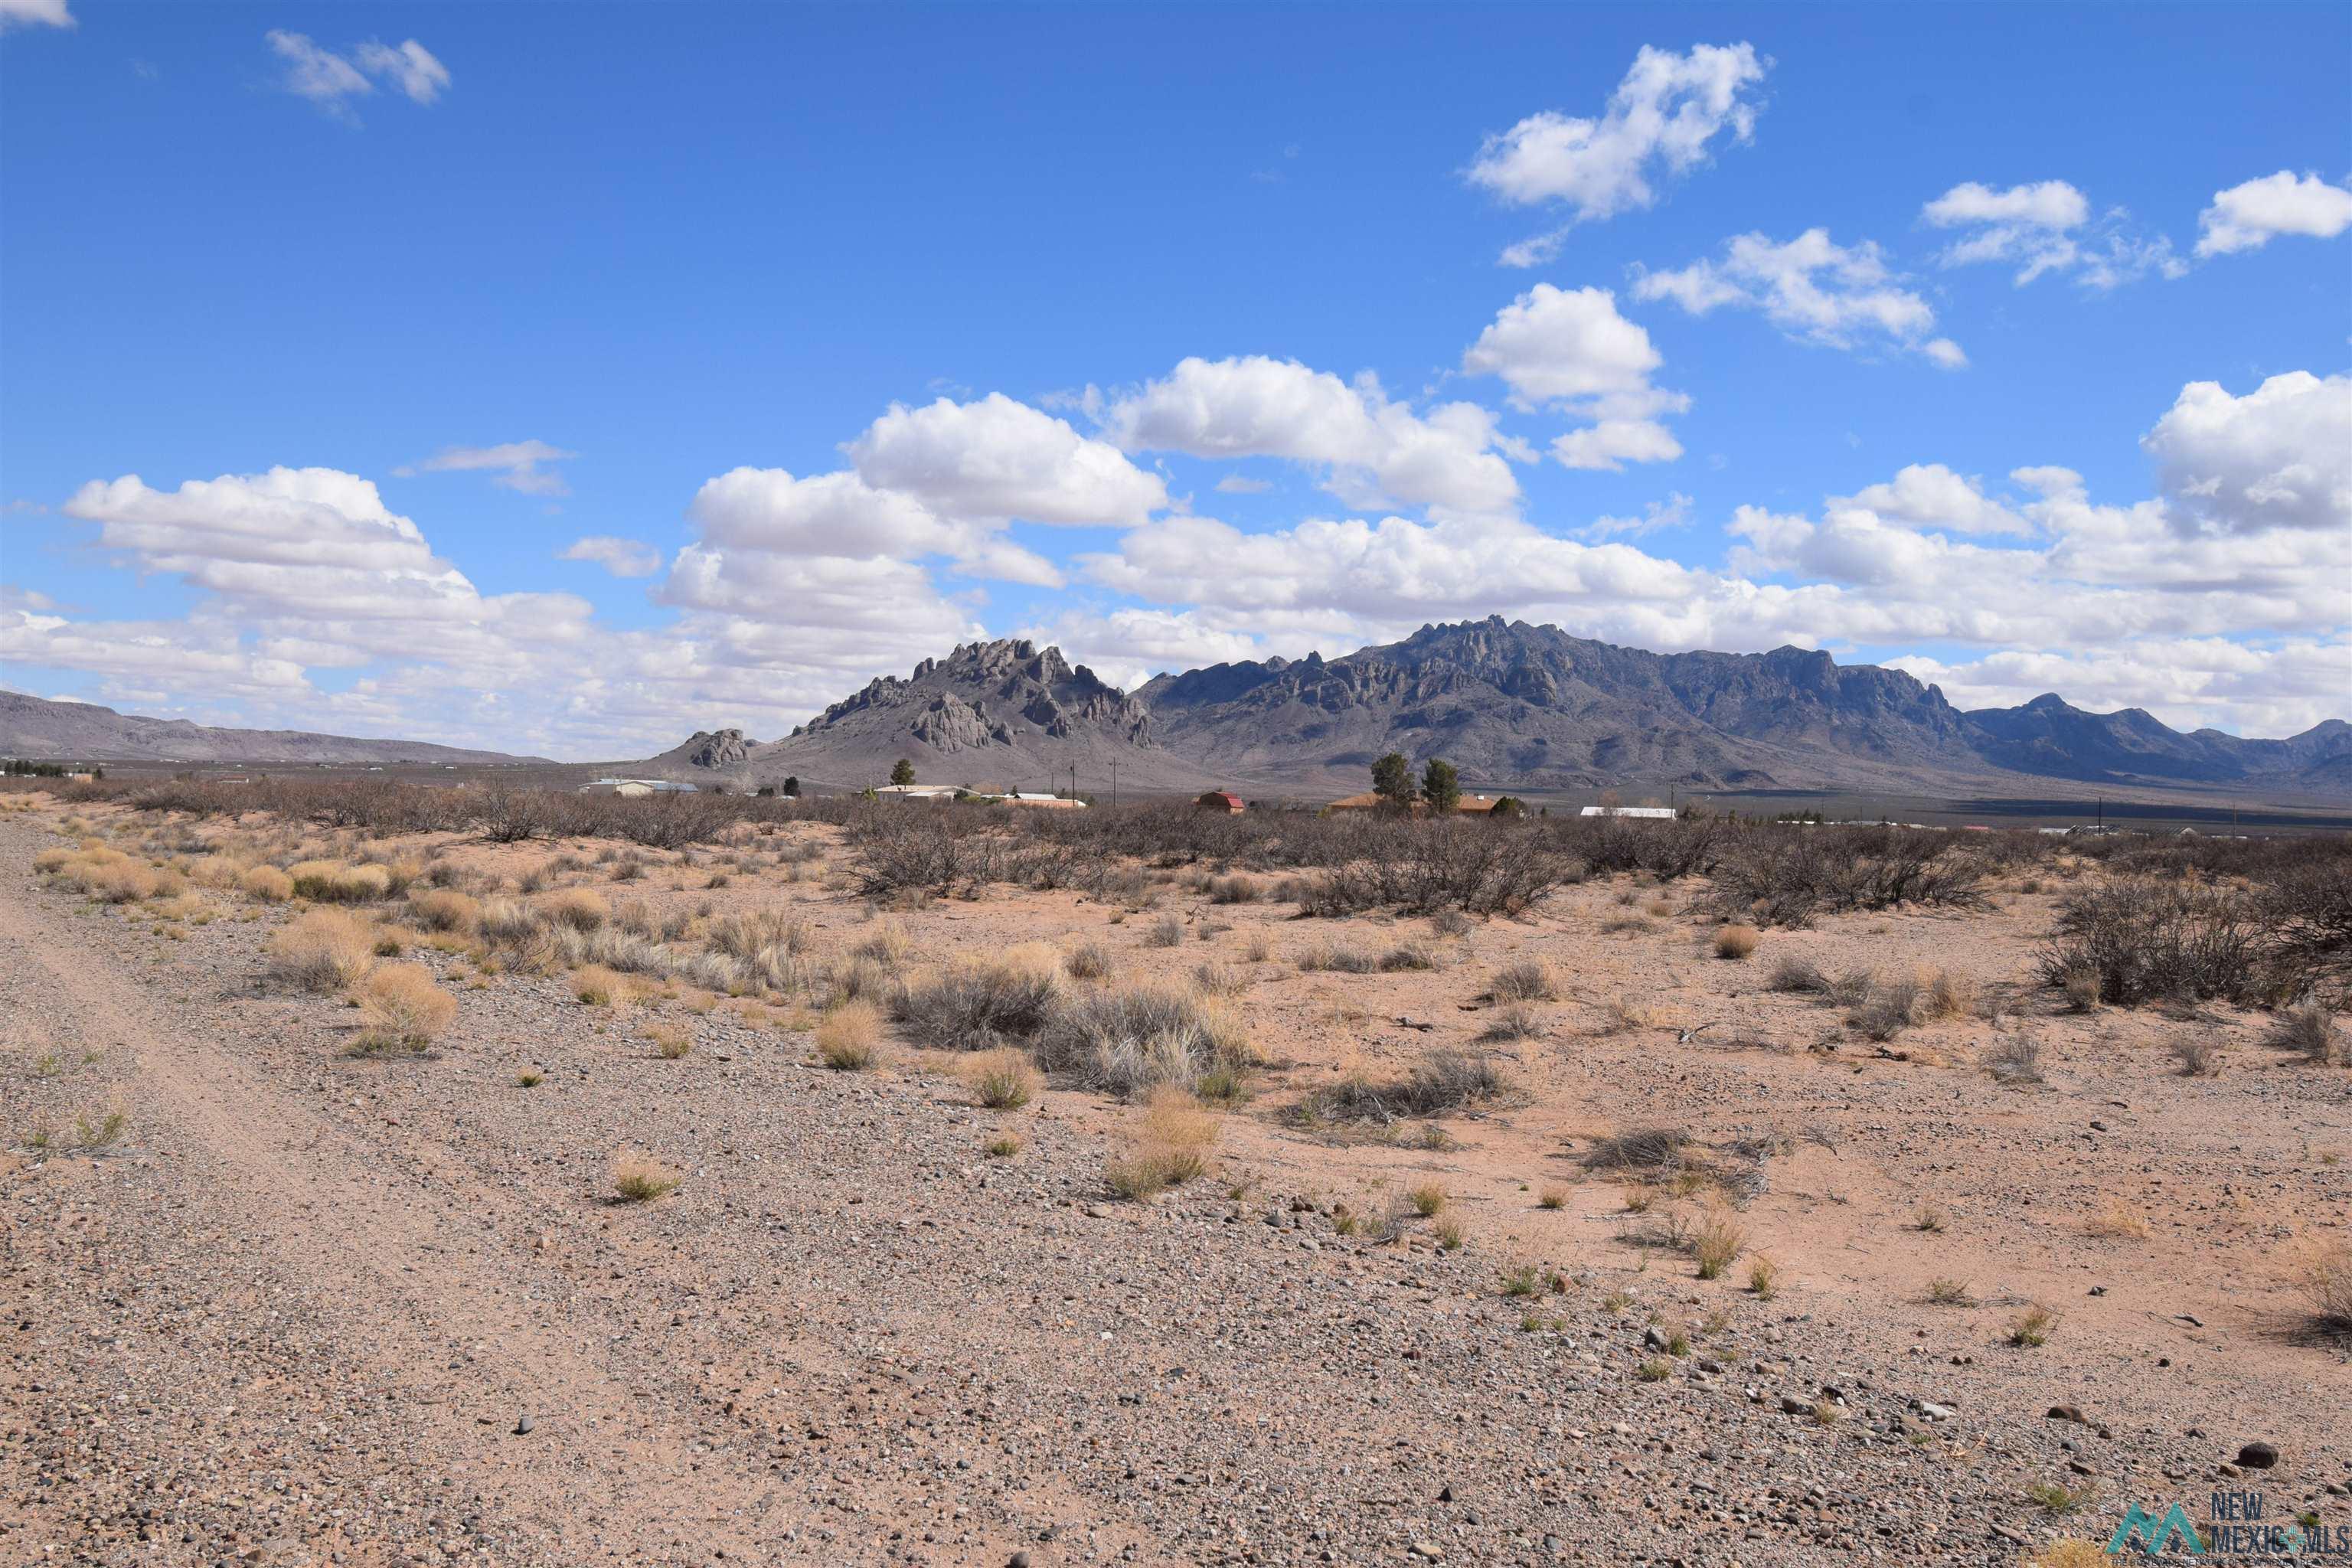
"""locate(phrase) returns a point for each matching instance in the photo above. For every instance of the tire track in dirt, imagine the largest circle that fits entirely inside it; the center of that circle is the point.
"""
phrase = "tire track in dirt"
(372, 1251)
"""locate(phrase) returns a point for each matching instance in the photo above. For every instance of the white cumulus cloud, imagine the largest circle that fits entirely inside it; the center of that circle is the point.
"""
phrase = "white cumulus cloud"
(997, 457)
(334, 81)
(2281, 456)
(1815, 289)
(1661, 121)
(2245, 217)
(1375, 451)
(35, 13)
(1569, 348)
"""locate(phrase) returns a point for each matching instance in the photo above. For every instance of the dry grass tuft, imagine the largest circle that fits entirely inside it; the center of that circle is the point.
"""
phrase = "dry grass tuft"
(1002, 1079)
(1087, 961)
(439, 909)
(1552, 1197)
(597, 986)
(402, 1009)
(978, 1004)
(1736, 940)
(1763, 1276)
(2032, 1327)
(849, 1038)
(2324, 1277)
(1531, 981)
(1170, 1146)
(2309, 1031)
(671, 1041)
(2117, 1220)
(1720, 1237)
(582, 908)
(267, 885)
(323, 951)
(637, 1180)
(1427, 1199)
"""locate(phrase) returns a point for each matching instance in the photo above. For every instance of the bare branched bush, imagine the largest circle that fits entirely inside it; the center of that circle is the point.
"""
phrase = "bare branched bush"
(2151, 942)
(2310, 1032)
(978, 1004)
(1439, 1083)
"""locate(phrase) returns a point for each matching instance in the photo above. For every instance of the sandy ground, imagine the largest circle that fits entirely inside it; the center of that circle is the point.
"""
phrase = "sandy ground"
(306, 1307)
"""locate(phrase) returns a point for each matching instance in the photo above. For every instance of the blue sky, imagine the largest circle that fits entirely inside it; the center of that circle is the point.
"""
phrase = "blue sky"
(1205, 339)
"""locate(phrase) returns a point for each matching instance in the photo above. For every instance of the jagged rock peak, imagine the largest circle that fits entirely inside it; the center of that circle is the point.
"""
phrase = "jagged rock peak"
(717, 748)
(984, 693)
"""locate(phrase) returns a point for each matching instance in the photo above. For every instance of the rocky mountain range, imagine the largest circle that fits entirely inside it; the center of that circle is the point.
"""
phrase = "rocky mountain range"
(1513, 706)
(38, 728)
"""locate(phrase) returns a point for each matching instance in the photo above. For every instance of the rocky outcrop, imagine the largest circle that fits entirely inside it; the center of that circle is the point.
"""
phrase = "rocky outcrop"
(717, 748)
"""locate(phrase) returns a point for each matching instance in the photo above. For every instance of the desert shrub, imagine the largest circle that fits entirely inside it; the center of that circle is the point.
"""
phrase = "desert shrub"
(2309, 1031)
(748, 933)
(1087, 961)
(1234, 891)
(508, 922)
(440, 909)
(1421, 866)
(1428, 1199)
(1165, 932)
(1948, 995)
(1339, 961)
(1127, 1039)
(1650, 1150)
(1408, 955)
(1888, 1010)
(2150, 941)
(1533, 980)
(1778, 877)
(1002, 1079)
(861, 980)
(1735, 940)
(1220, 979)
(1452, 922)
(323, 951)
(1439, 1082)
(885, 943)
(849, 1038)
(2324, 1277)
(582, 908)
(332, 882)
(1763, 1277)
(1512, 1021)
(978, 1004)
(216, 872)
(2198, 1056)
(402, 1009)
(2016, 1058)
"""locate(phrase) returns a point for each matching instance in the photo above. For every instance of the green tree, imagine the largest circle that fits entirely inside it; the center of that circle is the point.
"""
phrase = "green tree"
(1392, 780)
(902, 772)
(793, 785)
(1441, 785)
(1511, 805)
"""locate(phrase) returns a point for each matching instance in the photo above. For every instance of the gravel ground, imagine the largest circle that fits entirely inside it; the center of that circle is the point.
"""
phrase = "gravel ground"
(308, 1309)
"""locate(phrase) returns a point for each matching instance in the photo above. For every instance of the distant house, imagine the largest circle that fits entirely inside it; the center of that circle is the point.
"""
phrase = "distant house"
(1222, 800)
(1657, 813)
(1050, 802)
(917, 792)
(635, 788)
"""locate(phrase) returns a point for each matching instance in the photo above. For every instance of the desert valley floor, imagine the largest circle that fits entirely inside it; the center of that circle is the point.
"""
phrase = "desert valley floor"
(270, 1301)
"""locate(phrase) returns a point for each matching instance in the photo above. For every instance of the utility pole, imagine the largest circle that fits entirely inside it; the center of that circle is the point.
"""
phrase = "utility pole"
(1114, 787)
